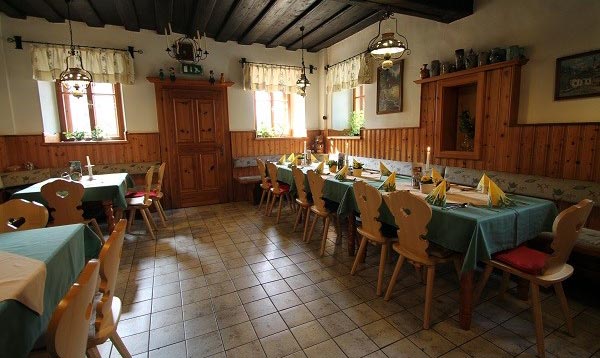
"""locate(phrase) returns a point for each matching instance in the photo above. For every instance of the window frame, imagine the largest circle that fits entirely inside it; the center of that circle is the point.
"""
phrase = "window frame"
(65, 117)
(360, 97)
(288, 99)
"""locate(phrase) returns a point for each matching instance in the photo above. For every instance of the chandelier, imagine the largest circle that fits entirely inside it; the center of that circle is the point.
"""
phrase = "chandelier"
(186, 49)
(303, 81)
(75, 80)
(388, 48)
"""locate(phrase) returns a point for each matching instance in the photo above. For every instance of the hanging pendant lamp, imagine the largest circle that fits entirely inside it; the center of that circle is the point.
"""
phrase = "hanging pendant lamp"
(74, 79)
(386, 46)
(303, 81)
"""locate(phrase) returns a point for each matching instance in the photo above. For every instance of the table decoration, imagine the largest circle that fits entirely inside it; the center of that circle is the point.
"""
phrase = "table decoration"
(437, 197)
(426, 184)
(332, 165)
(384, 170)
(483, 184)
(281, 160)
(497, 198)
(291, 157)
(320, 167)
(357, 167)
(389, 185)
(313, 159)
(436, 176)
(342, 173)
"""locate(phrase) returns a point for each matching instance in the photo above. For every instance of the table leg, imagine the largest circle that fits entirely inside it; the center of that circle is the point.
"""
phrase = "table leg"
(351, 234)
(110, 214)
(466, 299)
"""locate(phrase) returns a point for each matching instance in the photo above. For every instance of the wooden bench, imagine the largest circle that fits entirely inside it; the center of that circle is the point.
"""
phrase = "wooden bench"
(247, 185)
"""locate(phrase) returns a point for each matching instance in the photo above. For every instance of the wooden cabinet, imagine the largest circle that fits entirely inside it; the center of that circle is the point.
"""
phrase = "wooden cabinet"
(488, 94)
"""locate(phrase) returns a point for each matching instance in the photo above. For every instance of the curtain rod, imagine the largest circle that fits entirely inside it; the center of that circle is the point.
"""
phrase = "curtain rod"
(18, 41)
(337, 63)
(311, 68)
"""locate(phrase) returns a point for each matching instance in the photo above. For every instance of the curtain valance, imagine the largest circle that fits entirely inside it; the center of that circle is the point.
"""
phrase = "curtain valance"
(348, 74)
(271, 78)
(105, 65)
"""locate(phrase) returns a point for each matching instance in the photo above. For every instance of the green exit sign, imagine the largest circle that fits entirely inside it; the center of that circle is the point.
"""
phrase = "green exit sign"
(191, 69)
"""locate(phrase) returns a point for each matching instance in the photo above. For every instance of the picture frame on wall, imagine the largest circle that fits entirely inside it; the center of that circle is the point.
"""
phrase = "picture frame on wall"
(577, 76)
(389, 88)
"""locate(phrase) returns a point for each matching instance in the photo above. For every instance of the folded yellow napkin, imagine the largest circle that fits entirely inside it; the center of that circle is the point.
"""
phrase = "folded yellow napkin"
(320, 168)
(389, 184)
(356, 164)
(437, 196)
(436, 176)
(341, 174)
(384, 170)
(496, 196)
(281, 160)
(313, 159)
(484, 184)
(291, 157)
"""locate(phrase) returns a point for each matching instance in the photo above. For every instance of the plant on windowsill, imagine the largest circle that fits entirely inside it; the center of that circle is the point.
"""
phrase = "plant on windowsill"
(79, 135)
(466, 125)
(355, 122)
(69, 136)
(97, 134)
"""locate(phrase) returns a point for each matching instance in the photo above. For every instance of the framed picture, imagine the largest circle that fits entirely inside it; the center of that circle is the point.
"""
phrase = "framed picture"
(578, 76)
(389, 88)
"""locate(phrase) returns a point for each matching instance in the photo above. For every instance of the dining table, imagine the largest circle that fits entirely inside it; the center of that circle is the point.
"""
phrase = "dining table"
(467, 225)
(110, 189)
(64, 251)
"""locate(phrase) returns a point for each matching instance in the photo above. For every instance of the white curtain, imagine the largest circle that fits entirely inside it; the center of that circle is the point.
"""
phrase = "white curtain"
(348, 74)
(271, 78)
(106, 66)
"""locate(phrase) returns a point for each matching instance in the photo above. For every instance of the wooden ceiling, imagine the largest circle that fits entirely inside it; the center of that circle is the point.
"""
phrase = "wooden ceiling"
(269, 22)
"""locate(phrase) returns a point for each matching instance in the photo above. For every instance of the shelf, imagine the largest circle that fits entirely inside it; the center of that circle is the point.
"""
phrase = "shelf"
(493, 66)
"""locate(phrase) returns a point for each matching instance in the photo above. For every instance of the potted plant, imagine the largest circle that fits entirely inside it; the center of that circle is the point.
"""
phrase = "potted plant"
(466, 126)
(427, 184)
(332, 166)
(69, 136)
(79, 135)
(357, 168)
(355, 122)
(97, 134)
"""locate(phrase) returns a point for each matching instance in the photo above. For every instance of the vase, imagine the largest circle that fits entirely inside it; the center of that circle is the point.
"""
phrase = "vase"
(497, 55)
(483, 58)
(427, 188)
(333, 168)
(357, 172)
(435, 68)
(471, 60)
(424, 71)
(459, 56)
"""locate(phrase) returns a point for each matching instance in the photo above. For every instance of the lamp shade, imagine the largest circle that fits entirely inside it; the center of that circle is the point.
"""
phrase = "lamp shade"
(387, 45)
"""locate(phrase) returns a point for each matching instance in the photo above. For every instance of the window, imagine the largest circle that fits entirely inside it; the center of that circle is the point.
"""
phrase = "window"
(100, 108)
(358, 98)
(279, 115)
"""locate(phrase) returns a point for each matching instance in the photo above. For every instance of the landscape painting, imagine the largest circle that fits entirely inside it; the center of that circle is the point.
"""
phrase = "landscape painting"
(389, 88)
(578, 76)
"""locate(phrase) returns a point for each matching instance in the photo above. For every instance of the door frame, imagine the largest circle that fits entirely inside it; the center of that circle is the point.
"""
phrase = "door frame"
(161, 87)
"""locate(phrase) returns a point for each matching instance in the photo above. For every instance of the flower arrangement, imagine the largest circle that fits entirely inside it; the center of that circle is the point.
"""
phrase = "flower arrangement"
(97, 134)
(332, 164)
(356, 164)
(466, 124)
(426, 179)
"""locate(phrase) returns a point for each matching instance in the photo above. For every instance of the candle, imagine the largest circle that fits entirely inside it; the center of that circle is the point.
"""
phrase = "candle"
(304, 146)
(428, 157)
(331, 146)
(170, 30)
(167, 38)
(198, 35)
(87, 157)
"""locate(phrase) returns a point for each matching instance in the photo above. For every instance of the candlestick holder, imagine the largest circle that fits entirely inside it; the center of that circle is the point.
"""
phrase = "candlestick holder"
(90, 172)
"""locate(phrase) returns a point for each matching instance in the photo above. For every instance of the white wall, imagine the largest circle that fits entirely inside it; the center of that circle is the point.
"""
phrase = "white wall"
(548, 29)
(19, 92)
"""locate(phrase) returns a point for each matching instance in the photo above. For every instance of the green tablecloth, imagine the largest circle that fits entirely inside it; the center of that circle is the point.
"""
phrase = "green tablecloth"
(478, 232)
(102, 187)
(63, 249)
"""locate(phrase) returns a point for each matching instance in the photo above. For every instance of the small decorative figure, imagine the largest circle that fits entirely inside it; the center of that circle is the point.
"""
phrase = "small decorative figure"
(161, 74)
(222, 79)
(211, 79)
(424, 71)
(172, 74)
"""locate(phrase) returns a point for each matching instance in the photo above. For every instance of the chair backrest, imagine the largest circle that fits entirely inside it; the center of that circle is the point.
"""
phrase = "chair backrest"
(299, 181)
(262, 170)
(161, 174)
(273, 175)
(19, 214)
(68, 328)
(316, 184)
(565, 230)
(411, 214)
(148, 185)
(369, 200)
(64, 199)
(110, 257)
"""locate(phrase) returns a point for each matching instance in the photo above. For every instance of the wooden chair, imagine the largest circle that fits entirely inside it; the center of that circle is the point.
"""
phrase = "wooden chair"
(542, 269)
(64, 199)
(67, 332)
(265, 184)
(19, 214)
(302, 200)
(108, 310)
(369, 200)
(143, 204)
(316, 184)
(412, 214)
(156, 194)
(278, 190)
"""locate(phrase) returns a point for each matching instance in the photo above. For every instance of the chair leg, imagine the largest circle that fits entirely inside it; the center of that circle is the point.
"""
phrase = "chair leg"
(564, 305)
(503, 284)
(537, 318)
(262, 198)
(119, 345)
(312, 228)
(267, 203)
(306, 220)
(428, 296)
(361, 249)
(150, 218)
(298, 216)
(388, 293)
(273, 199)
(279, 209)
(96, 228)
(157, 206)
(481, 284)
(382, 261)
(93, 352)
(324, 239)
(131, 218)
(162, 210)
(148, 225)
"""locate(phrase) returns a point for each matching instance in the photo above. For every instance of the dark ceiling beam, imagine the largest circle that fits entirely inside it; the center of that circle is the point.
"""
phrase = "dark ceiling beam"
(46, 10)
(126, 11)
(228, 21)
(276, 41)
(87, 12)
(163, 10)
(239, 17)
(202, 13)
(437, 10)
(295, 45)
(265, 16)
(348, 31)
(11, 11)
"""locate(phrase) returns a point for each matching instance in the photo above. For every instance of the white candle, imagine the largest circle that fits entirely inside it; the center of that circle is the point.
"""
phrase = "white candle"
(198, 35)
(428, 158)
(167, 38)
(87, 157)
(331, 146)
(346, 147)
(170, 30)
(304, 146)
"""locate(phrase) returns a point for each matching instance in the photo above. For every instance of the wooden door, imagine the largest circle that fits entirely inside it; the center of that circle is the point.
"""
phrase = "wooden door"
(194, 134)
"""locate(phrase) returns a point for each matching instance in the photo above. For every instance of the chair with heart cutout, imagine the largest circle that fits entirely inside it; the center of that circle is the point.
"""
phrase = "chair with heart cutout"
(19, 214)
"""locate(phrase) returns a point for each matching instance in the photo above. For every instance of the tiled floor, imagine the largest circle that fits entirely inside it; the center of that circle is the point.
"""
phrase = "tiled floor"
(224, 280)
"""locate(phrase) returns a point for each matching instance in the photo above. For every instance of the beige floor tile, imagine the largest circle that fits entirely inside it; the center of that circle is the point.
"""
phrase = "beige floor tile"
(237, 335)
(322, 307)
(404, 348)
(482, 348)
(231, 316)
(204, 346)
(285, 300)
(225, 302)
(268, 325)
(248, 350)
(337, 324)
(345, 299)
(296, 315)
(309, 334)
(362, 314)
(276, 287)
(259, 308)
(165, 318)
(355, 343)
(405, 322)
(382, 333)
(134, 325)
(199, 326)
(252, 294)
(280, 344)
(431, 342)
(507, 340)
(166, 335)
(174, 350)
(327, 349)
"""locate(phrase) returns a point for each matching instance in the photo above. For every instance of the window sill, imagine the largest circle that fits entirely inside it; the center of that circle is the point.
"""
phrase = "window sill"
(353, 137)
(87, 142)
(267, 138)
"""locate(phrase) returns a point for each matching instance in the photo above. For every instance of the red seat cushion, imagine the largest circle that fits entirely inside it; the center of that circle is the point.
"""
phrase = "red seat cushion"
(139, 194)
(524, 259)
(284, 188)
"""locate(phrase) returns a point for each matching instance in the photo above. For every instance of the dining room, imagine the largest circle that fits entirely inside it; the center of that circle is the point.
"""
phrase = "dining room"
(316, 178)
